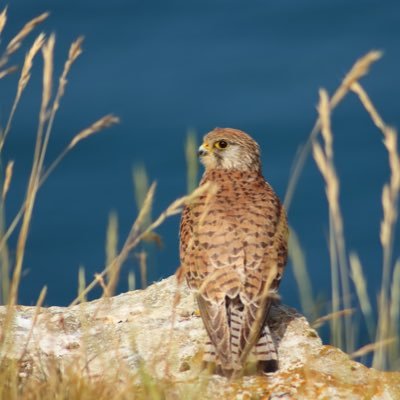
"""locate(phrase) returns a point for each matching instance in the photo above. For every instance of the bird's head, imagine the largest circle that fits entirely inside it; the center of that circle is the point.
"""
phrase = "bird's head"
(227, 148)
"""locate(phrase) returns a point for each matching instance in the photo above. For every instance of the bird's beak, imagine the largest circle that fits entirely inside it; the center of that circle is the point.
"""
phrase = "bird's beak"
(204, 149)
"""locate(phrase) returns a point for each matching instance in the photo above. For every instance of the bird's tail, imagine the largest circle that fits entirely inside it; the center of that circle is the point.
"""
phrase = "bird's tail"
(265, 351)
(228, 363)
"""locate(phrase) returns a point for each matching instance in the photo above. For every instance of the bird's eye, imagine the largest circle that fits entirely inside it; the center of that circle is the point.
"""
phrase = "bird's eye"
(221, 144)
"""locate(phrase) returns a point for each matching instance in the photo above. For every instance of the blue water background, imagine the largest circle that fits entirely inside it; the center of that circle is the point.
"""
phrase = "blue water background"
(168, 66)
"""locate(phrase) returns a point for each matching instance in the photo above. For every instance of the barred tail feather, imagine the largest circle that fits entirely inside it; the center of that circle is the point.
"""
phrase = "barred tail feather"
(214, 364)
(265, 351)
(236, 325)
(209, 353)
(230, 337)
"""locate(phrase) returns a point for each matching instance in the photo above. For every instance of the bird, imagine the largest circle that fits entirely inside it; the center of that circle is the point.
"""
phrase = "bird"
(233, 251)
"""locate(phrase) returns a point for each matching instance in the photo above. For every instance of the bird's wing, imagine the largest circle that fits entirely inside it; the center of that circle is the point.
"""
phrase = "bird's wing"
(216, 323)
(185, 235)
(265, 254)
(212, 253)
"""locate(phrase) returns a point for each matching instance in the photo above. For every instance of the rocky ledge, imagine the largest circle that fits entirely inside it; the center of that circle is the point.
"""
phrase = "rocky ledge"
(159, 331)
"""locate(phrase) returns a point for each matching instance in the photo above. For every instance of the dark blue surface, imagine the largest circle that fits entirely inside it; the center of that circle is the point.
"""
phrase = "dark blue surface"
(164, 67)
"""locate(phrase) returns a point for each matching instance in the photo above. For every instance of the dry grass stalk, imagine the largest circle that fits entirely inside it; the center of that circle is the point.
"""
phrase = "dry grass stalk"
(48, 66)
(390, 198)
(387, 237)
(324, 112)
(372, 347)
(141, 187)
(5, 259)
(394, 313)
(35, 173)
(40, 145)
(367, 103)
(11, 228)
(45, 115)
(360, 284)
(336, 324)
(8, 71)
(22, 237)
(325, 162)
(26, 69)
(134, 232)
(143, 269)
(23, 234)
(43, 178)
(390, 193)
(301, 275)
(324, 117)
(329, 317)
(16, 42)
(102, 123)
(100, 280)
(395, 299)
(143, 212)
(390, 136)
(22, 83)
(359, 69)
(36, 178)
(136, 235)
(40, 151)
(191, 161)
(3, 19)
(111, 252)
(7, 180)
(81, 284)
(74, 52)
(131, 281)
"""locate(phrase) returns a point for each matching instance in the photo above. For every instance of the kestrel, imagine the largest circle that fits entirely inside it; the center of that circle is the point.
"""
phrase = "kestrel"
(233, 250)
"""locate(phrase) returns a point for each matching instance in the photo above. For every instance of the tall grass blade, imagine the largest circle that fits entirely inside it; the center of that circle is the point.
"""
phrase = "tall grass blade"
(131, 281)
(81, 284)
(390, 199)
(141, 187)
(325, 163)
(303, 281)
(360, 284)
(22, 83)
(192, 164)
(111, 252)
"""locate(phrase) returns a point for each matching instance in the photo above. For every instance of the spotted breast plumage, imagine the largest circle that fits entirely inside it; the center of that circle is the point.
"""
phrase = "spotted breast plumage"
(233, 250)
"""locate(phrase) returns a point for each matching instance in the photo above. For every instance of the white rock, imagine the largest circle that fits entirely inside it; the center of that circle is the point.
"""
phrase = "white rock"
(143, 328)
